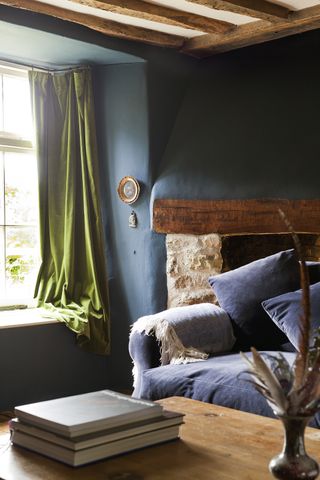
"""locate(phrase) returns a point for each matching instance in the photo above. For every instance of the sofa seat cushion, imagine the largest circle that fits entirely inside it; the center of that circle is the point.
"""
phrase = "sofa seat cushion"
(218, 380)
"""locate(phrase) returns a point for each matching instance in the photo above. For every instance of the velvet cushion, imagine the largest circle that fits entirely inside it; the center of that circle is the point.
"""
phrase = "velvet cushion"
(286, 310)
(241, 291)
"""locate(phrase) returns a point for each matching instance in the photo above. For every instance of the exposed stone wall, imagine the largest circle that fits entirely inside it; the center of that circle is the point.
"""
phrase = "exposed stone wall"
(191, 259)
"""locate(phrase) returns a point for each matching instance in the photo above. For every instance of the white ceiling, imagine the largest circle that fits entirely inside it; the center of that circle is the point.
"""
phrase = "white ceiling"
(179, 5)
(297, 4)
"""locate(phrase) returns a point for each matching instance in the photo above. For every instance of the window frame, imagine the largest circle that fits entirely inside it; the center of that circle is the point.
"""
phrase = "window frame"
(14, 143)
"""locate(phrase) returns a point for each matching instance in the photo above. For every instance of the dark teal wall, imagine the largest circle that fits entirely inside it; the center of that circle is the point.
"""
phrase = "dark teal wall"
(249, 126)
(136, 105)
(41, 362)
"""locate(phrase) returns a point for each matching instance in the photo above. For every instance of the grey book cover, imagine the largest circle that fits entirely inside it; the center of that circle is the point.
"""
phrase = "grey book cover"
(168, 419)
(87, 413)
(99, 452)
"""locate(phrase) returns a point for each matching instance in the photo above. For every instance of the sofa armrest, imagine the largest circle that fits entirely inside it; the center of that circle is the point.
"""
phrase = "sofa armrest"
(145, 353)
(178, 335)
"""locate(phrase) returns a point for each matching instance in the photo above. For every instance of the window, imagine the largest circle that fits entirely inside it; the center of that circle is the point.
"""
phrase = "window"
(19, 238)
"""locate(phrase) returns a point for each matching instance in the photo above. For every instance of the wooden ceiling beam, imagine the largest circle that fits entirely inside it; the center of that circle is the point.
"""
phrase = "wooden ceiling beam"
(254, 33)
(107, 27)
(253, 8)
(160, 14)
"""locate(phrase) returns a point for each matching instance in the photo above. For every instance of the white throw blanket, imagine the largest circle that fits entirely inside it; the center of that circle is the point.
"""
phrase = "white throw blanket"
(171, 348)
(188, 334)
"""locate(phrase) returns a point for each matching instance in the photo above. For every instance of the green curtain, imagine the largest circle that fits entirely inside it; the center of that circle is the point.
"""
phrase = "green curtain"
(72, 281)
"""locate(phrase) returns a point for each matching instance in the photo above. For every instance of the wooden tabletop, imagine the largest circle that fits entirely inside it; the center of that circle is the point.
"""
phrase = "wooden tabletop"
(216, 443)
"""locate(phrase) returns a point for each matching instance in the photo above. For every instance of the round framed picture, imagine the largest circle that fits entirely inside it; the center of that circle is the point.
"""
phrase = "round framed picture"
(128, 189)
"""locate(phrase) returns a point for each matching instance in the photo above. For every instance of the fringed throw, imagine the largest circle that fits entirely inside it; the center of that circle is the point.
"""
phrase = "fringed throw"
(189, 333)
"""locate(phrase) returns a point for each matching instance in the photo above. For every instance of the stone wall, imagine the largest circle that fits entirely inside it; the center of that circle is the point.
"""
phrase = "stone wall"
(191, 259)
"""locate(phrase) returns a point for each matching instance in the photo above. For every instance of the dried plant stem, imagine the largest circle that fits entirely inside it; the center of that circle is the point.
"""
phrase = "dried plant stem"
(301, 362)
(292, 390)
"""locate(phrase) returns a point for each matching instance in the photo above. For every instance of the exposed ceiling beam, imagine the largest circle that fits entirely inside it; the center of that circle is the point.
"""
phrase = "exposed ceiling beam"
(254, 33)
(161, 14)
(253, 8)
(108, 27)
(201, 46)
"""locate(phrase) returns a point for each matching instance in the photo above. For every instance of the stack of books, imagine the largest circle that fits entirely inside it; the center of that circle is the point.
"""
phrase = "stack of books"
(85, 428)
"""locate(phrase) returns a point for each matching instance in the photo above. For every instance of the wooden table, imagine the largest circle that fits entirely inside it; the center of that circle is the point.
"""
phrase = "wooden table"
(216, 443)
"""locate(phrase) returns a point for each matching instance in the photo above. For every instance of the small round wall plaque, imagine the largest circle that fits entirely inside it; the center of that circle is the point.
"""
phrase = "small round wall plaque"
(128, 189)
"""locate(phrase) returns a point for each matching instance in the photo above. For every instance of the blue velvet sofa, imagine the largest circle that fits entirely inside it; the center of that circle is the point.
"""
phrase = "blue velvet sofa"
(222, 378)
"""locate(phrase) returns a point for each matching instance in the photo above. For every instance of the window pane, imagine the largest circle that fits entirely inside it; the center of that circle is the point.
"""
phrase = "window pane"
(17, 106)
(19, 236)
(2, 264)
(21, 189)
(22, 261)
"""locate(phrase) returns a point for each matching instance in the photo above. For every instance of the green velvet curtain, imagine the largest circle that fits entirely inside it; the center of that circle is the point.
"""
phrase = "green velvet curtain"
(72, 281)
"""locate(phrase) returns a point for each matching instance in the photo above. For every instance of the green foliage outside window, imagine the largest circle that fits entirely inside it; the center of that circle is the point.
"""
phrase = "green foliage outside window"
(18, 267)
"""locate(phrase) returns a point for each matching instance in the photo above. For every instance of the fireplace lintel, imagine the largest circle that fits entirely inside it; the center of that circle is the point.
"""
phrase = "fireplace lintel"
(235, 217)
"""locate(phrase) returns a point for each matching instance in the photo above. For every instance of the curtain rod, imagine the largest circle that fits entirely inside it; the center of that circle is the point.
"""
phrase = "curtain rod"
(24, 66)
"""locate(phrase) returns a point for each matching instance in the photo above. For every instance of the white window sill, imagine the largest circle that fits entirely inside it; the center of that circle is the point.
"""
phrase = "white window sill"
(24, 318)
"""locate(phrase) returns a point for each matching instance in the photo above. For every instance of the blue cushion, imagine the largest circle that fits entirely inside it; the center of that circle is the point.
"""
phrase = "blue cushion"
(241, 291)
(285, 310)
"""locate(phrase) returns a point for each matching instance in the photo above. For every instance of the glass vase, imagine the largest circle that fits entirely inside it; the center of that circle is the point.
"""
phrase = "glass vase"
(293, 463)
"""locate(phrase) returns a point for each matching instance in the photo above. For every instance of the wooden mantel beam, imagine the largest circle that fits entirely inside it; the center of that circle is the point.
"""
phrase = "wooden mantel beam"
(262, 9)
(108, 27)
(234, 217)
(160, 14)
(254, 33)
